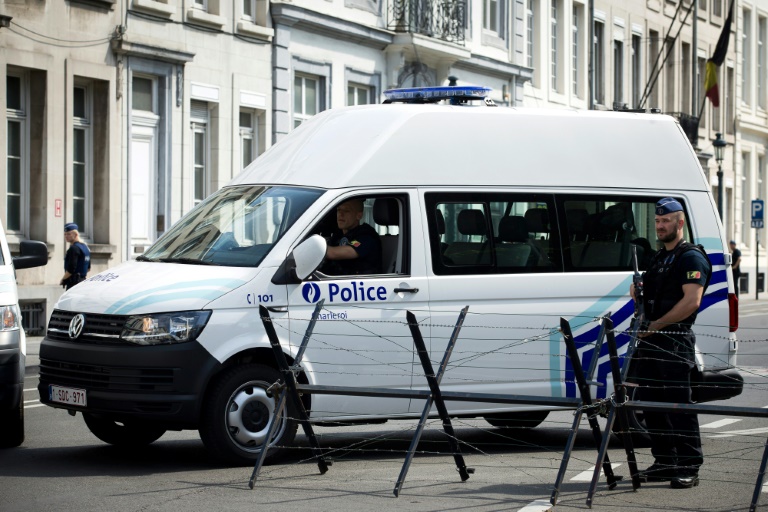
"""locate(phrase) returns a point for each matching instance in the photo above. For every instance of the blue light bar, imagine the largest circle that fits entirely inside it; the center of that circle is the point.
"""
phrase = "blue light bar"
(435, 94)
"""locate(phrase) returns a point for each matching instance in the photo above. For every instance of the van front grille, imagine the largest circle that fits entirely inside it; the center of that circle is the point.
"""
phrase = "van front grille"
(100, 329)
(113, 378)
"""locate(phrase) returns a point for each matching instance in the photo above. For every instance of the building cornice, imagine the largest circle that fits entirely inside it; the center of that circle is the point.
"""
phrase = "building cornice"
(148, 48)
(506, 70)
(322, 24)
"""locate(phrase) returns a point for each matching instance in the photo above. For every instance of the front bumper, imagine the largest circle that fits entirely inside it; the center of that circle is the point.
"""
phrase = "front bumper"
(160, 384)
(11, 369)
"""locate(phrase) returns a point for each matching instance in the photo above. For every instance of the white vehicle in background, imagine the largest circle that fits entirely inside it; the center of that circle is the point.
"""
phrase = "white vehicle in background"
(524, 215)
(13, 345)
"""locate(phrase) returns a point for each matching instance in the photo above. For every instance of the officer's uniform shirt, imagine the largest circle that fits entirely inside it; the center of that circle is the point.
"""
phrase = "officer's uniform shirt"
(663, 281)
(78, 259)
(366, 242)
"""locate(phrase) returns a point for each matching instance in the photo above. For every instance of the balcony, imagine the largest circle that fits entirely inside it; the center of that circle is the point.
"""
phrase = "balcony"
(439, 19)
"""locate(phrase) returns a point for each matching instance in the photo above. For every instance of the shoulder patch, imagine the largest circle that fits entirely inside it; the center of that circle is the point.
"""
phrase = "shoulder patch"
(694, 274)
(354, 243)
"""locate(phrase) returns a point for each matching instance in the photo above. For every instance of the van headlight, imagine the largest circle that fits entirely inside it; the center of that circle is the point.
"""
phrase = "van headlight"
(164, 328)
(11, 318)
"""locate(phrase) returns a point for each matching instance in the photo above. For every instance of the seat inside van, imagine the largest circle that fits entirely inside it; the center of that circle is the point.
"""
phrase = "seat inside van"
(386, 212)
(515, 247)
(475, 250)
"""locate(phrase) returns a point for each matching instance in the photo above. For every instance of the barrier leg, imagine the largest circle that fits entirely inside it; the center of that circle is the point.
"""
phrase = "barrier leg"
(434, 385)
(620, 397)
(586, 397)
(293, 393)
(760, 478)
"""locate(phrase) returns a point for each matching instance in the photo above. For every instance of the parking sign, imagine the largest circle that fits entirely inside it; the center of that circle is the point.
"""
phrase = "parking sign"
(758, 207)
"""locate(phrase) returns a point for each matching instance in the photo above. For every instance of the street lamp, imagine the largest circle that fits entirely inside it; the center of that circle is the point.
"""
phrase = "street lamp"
(719, 144)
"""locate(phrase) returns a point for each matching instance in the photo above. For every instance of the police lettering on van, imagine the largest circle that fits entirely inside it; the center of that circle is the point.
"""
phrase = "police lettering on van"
(355, 292)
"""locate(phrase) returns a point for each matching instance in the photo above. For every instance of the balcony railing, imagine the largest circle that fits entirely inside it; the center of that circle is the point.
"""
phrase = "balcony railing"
(441, 19)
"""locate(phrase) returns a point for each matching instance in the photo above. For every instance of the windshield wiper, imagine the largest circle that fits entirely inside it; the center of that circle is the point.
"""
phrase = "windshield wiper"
(187, 261)
(144, 258)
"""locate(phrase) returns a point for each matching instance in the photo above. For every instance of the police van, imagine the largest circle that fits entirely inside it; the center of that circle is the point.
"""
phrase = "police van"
(523, 215)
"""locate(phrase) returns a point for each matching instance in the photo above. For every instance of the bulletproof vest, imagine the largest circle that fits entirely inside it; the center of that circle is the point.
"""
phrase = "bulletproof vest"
(84, 262)
(663, 285)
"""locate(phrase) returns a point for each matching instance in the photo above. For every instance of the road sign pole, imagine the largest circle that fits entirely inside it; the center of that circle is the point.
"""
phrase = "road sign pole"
(758, 206)
(757, 262)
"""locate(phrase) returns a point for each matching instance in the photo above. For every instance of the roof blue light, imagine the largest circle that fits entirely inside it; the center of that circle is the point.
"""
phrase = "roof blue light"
(435, 94)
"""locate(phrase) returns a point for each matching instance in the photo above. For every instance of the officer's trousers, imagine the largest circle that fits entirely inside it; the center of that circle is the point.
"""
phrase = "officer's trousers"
(664, 365)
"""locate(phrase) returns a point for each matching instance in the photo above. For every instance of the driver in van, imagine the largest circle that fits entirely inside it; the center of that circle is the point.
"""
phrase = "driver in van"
(673, 286)
(355, 247)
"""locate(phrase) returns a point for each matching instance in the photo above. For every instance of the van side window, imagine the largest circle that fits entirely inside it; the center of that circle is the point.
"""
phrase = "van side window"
(600, 231)
(492, 233)
(388, 216)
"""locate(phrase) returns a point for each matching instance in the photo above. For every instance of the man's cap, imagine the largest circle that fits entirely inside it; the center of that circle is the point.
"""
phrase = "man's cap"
(732, 242)
(668, 205)
(71, 226)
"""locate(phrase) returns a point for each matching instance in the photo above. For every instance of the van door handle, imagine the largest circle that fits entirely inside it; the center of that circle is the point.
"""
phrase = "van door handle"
(277, 309)
(406, 290)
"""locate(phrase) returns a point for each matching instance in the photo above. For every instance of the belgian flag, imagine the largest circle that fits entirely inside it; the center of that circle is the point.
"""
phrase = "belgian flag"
(717, 59)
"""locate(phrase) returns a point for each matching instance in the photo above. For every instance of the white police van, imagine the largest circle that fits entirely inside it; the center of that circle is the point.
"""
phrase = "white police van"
(524, 215)
(13, 343)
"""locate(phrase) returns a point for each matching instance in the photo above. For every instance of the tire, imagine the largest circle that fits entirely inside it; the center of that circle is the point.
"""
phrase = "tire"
(126, 434)
(12, 424)
(238, 412)
(527, 419)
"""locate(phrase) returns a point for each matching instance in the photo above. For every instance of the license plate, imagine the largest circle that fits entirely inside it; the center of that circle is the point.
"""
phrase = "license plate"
(70, 396)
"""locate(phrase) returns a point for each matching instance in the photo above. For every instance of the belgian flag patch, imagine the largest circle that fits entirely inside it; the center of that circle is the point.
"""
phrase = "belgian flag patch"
(694, 274)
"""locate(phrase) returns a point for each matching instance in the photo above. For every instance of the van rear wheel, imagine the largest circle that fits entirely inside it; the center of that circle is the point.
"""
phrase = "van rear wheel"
(527, 419)
(238, 412)
(124, 434)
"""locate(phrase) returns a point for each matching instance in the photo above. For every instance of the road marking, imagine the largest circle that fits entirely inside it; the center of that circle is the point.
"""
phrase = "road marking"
(31, 401)
(720, 423)
(586, 476)
(33, 406)
(733, 433)
(537, 506)
(31, 389)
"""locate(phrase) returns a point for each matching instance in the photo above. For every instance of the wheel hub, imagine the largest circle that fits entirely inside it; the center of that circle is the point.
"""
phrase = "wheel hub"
(250, 414)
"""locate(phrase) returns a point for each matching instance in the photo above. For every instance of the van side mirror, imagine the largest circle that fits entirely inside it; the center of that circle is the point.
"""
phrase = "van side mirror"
(308, 255)
(32, 254)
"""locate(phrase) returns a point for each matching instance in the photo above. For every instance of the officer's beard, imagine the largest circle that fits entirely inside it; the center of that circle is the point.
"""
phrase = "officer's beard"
(670, 237)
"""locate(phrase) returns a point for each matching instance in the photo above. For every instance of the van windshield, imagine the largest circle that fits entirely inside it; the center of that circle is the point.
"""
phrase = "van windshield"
(234, 227)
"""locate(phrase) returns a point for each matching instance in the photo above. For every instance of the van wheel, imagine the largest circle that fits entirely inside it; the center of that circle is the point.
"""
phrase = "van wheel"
(527, 419)
(238, 412)
(12, 424)
(124, 434)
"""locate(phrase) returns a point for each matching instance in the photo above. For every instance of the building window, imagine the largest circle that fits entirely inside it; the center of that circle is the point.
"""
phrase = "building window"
(529, 33)
(82, 158)
(716, 124)
(717, 8)
(358, 95)
(553, 39)
(729, 100)
(653, 56)
(669, 76)
(618, 72)
(703, 5)
(493, 17)
(637, 63)
(249, 10)
(576, 51)
(599, 63)
(200, 151)
(17, 151)
(143, 95)
(701, 69)
(306, 98)
(746, 58)
(248, 138)
(762, 65)
(746, 196)
(200, 4)
(685, 78)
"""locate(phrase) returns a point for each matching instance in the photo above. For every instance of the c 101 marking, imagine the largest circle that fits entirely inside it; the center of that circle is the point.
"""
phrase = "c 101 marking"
(266, 298)
(261, 298)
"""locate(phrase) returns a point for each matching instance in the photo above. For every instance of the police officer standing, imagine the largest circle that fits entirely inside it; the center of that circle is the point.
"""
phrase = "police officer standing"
(673, 286)
(77, 261)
